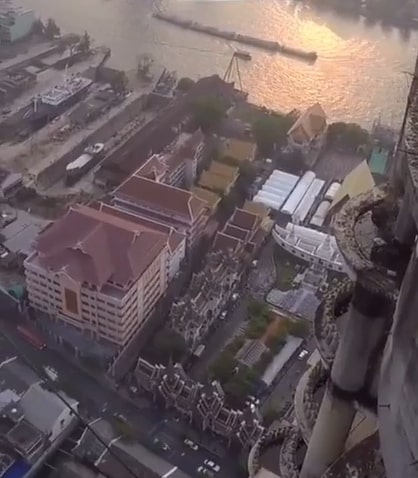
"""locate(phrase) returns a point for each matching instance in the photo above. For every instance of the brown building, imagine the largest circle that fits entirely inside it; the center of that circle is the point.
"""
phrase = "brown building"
(164, 204)
(243, 233)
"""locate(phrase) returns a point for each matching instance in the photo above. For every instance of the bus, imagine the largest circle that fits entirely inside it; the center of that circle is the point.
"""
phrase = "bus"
(31, 337)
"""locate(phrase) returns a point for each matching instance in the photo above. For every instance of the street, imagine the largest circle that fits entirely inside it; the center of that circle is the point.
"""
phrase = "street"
(97, 399)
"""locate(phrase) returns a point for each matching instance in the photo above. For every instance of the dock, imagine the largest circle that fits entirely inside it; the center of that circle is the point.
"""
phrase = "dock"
(268, 45)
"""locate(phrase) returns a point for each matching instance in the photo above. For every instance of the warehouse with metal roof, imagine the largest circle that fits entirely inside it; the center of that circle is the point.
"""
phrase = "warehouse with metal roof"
(276, 190)
(298, 193)
(320, 214)
(307, 202)
(332, 191)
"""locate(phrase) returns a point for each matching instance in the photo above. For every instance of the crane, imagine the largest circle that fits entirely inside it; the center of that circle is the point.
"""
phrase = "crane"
(233, 66)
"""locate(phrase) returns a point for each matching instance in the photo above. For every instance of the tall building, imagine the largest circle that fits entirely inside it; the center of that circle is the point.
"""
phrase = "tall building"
(367, 335)
(98, 272)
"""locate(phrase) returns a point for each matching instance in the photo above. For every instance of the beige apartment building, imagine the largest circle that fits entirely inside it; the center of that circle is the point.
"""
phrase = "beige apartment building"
(98, 272)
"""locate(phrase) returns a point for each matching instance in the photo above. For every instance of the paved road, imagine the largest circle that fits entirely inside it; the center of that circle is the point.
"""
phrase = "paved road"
(96, 399)
(288, 379)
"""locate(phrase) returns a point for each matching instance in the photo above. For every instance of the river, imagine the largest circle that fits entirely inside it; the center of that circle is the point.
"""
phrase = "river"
(361, 73)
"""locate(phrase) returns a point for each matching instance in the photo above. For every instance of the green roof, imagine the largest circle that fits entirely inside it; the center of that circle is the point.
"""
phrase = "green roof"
(378, 160)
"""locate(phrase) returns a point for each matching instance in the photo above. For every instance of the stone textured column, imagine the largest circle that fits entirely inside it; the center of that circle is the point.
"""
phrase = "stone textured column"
(405, 228)
(363, 330)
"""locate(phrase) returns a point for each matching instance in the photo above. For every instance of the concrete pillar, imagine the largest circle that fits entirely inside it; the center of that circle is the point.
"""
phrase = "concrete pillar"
(405, 228)
(329, 435)
(363, 330)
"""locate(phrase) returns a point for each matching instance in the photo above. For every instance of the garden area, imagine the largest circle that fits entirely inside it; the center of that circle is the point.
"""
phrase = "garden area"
(267, 327)
(287, 268)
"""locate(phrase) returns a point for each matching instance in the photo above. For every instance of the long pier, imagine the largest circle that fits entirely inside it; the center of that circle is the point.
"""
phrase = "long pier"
(268, 45)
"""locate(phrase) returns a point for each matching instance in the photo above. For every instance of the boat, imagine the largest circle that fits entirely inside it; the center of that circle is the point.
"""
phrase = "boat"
(243, 55)
(80, 166)
(52, 103)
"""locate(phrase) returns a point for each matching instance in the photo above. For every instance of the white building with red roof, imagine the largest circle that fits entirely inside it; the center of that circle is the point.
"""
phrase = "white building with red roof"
(100, 272)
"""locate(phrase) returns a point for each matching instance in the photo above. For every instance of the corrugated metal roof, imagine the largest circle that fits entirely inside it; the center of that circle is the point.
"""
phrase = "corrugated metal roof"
(332, 191)
(320, 214)
(276, 189)
(308, 200)
(298, 193)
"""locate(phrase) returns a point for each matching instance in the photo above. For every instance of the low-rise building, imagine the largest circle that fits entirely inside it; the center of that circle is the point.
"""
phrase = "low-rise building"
(164, 204)
(99, 273)
(15, 23)
(238, 151)
(33, 420)
(244, 233)
(177, 164)
(308, 133)
(113, 450)
(212, 199)
(192, 315)
(219, 178)
(202, 404)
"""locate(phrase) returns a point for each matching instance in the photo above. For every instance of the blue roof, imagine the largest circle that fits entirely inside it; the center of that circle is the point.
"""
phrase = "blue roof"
(17, 470)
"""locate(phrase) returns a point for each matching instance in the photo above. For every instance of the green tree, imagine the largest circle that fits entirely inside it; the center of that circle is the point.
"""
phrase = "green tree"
(185, 84)
(38, 27)
(297, 328)
(270, 131)
(255, 307)
(168, 344)
(52, 30)
(208, 113)
(240, 385)
(223, 367)
(271, 415)
(85, 43)
(348, 136)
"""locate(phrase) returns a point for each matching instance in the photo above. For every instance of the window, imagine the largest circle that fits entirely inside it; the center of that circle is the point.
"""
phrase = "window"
(71, 301)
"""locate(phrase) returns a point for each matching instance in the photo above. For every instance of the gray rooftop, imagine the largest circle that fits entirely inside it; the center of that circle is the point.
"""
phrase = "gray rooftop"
(14, 375)
(21, 233)
(42, 408)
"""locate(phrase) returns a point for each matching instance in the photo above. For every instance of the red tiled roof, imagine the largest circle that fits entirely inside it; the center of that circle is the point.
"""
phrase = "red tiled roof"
(153, 168)
(237, 232)
(161, 196)
(223, 242)
(174, 237)
(244, 219)
(95, 247)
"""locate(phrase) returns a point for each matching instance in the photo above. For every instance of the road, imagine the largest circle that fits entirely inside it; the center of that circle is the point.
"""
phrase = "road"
(286, 382)
(97, 399)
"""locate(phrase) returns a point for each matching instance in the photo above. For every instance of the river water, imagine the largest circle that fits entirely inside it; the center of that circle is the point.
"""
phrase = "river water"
(361, 72)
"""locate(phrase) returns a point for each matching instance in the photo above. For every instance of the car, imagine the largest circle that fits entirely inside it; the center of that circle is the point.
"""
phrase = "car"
(302, 354)
(212, 465)
(162, 445)
(223, 315)
(191, 444)
(204, 471)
